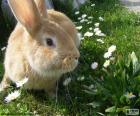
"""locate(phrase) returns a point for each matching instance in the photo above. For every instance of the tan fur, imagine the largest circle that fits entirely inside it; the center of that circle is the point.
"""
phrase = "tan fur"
(66, 23)
(41, 5)
(28, 55)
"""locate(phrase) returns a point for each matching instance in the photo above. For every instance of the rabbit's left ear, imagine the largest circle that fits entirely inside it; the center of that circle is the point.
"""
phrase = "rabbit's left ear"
(41, 5)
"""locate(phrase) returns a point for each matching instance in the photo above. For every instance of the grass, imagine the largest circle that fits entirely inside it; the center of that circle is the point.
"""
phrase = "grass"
(110, 84)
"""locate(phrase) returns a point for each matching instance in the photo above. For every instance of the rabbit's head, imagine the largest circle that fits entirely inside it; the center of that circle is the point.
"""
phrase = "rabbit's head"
(47, 46)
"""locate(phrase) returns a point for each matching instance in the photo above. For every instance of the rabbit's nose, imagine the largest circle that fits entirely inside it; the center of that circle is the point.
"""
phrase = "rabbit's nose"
(71, 58)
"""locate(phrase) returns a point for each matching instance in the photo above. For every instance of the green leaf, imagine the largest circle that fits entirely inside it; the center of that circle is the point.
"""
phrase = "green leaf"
(119, 110)
(125, 108)
(136, 70)
(123, 99)
(137, 101)
(94, 104)
(111, 109)
(90, 92)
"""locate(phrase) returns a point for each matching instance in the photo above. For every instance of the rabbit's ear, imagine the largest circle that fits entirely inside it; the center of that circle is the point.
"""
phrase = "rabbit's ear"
(41, 5)
(26, 13)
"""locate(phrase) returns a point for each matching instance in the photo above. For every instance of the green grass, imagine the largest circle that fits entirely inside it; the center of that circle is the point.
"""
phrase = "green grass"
(122, 29)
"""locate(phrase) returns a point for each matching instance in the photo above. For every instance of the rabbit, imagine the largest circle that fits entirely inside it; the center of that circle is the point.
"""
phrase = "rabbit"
(42, 47)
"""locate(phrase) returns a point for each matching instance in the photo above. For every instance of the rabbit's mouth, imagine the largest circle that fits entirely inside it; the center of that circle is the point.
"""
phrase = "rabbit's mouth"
(69, 65)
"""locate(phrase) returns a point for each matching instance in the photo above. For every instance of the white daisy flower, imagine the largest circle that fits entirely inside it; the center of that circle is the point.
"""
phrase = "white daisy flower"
(82, 21)
(92, 5)
(86, 20)
(89, 22)
(99, 33)
(81, 78)
(90, 17)
(101, 19)
(84, 16)
(12, 96)
(77, 12)
(100, 40)
(4, 48)
(67, 81)
(91, 86)
(96, 29)
(107, 55)
(130, 95)
(79, 27)
(112, 48)
(96, 24)
(21, 82)
(90, 28)
(35, 113)
(134, 58)
(88, 34)
(94, 65)
(79, 18)
(106, 63)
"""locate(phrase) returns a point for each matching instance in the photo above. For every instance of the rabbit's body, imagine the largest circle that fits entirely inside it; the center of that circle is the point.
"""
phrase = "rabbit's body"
(17, 65)
(40, 48)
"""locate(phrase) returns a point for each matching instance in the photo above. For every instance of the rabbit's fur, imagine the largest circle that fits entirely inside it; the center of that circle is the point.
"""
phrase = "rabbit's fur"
(43, 46)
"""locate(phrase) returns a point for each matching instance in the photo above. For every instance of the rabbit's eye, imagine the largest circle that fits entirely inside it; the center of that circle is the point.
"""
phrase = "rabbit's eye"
(49, 41)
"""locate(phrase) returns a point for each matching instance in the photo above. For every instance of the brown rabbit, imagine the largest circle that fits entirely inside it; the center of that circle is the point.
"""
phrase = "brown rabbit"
(43, 46)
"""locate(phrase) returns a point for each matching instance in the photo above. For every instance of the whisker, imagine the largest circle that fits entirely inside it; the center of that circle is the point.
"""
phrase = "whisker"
(67, 88)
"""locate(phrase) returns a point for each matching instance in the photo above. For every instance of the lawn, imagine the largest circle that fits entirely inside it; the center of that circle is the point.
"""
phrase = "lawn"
(96, 89)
